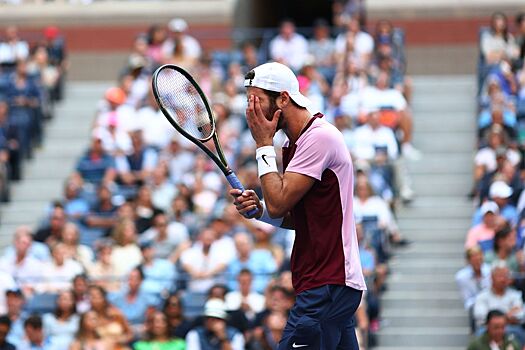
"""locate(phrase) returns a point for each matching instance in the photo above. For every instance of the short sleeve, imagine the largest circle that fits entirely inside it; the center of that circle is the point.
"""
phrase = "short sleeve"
(314, 153)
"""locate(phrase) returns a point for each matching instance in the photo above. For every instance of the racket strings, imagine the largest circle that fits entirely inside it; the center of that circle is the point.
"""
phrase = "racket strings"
(184, 104)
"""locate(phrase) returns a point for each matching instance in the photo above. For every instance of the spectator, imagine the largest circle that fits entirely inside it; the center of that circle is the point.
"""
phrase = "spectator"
(215, 334)
(289, 47)
(134, 169)
(321, 47)
(494, 337)
(177, 159)
(472, 279)
(75, 206)
(179, 325)
(354, 42)
(245, 298)
(269, 335)
(96, 166)
(6, 283)
(11, 143)
(103, 213)
(162, 189)
(157, 132)
(5, 325)
(203, 262)
(47, 75)
(133, 300)
(190, 46)
(483, 233)
(88, 337)
(145, 210)
(34, 335)
(159, 273)
(504, 250)
(500, 193)
(37, 250)
(52, 232)
(278, 299)
(126, 252)
(15, 311)
(497, 43)
(61, 326)
(24, 268)
(73, 249)
(80, 293)
(104, 272)
(169, 239)
(368, 137)
(111, 324)
(13, 48)
(57, 275)
(262, 234)
(56, 51)
(500, 297)
(260, 262)
(158, 336)
(24, 100)
(520, 36)
(157, 36)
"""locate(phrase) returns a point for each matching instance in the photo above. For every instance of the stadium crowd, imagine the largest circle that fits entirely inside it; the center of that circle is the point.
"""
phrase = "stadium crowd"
(145, 250)
(492, 284)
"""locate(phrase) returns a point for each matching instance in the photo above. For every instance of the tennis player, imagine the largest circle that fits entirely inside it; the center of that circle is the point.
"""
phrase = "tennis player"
(314, 196)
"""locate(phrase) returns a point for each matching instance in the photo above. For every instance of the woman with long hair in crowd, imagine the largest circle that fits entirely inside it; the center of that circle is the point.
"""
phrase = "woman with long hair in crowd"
(88, 337)
(62, 325)
(158, 335)
(112, 325)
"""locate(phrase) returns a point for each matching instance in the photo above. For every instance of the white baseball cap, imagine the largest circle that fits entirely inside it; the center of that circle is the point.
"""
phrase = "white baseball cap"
(178, 25)
(499, 189)
(277, 77)
(215, 308)
(489, 207)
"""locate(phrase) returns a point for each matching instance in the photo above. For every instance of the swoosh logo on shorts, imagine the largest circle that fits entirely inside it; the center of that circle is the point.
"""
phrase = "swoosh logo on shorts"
(298, 346)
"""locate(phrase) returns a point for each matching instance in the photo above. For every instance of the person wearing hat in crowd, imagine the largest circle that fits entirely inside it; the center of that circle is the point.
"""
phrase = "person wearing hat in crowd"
(314, 196)
(15, 302)
(178, 28)
(484, 232)
(215, 333)
(500, 194)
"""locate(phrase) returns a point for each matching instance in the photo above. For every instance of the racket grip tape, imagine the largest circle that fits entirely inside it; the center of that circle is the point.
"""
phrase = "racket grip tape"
(235, 183)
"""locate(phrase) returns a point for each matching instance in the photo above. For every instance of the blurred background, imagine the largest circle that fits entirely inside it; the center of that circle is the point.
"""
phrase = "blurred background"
(117, 233)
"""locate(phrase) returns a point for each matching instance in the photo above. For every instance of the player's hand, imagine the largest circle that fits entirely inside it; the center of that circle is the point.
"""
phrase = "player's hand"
(262, 128)
(246, 201)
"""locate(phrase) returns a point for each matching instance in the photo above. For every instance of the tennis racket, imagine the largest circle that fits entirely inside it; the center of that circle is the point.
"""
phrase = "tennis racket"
(183, 103)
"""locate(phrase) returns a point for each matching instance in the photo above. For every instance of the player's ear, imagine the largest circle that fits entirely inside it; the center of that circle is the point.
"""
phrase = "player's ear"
(283, 100)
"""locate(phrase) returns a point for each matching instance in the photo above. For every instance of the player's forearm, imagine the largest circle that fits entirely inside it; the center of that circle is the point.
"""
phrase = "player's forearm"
(274, 195)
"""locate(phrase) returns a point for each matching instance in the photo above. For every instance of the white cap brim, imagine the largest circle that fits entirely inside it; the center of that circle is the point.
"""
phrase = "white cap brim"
(301, 100)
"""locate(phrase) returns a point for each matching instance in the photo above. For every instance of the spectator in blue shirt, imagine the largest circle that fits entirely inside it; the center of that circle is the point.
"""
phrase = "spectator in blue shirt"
(35, 339)
(500, 193)
(134, 169)
(96, 166)
(159, 274)
(133, 301)
(260, 262)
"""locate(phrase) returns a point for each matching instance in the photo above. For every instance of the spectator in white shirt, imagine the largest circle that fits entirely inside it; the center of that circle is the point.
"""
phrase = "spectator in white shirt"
(354, 42)
(162, 189)
(126, 253)
(245, 299)
(25, 269)
(169, 239)
(178, 28)
(156, 130)
(59, 273)
(203, 262)
(289, 47)
(13, 49)
(500, 297)
(372, 135)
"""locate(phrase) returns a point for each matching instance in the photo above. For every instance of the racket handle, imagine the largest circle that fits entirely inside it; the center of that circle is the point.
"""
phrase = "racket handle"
(235, 183)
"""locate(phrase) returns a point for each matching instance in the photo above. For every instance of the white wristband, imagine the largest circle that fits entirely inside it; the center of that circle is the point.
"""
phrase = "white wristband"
(267, 219)
(266, 162)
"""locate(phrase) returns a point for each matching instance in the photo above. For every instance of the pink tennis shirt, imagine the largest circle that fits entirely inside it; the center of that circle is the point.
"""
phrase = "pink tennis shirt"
(325, 249)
